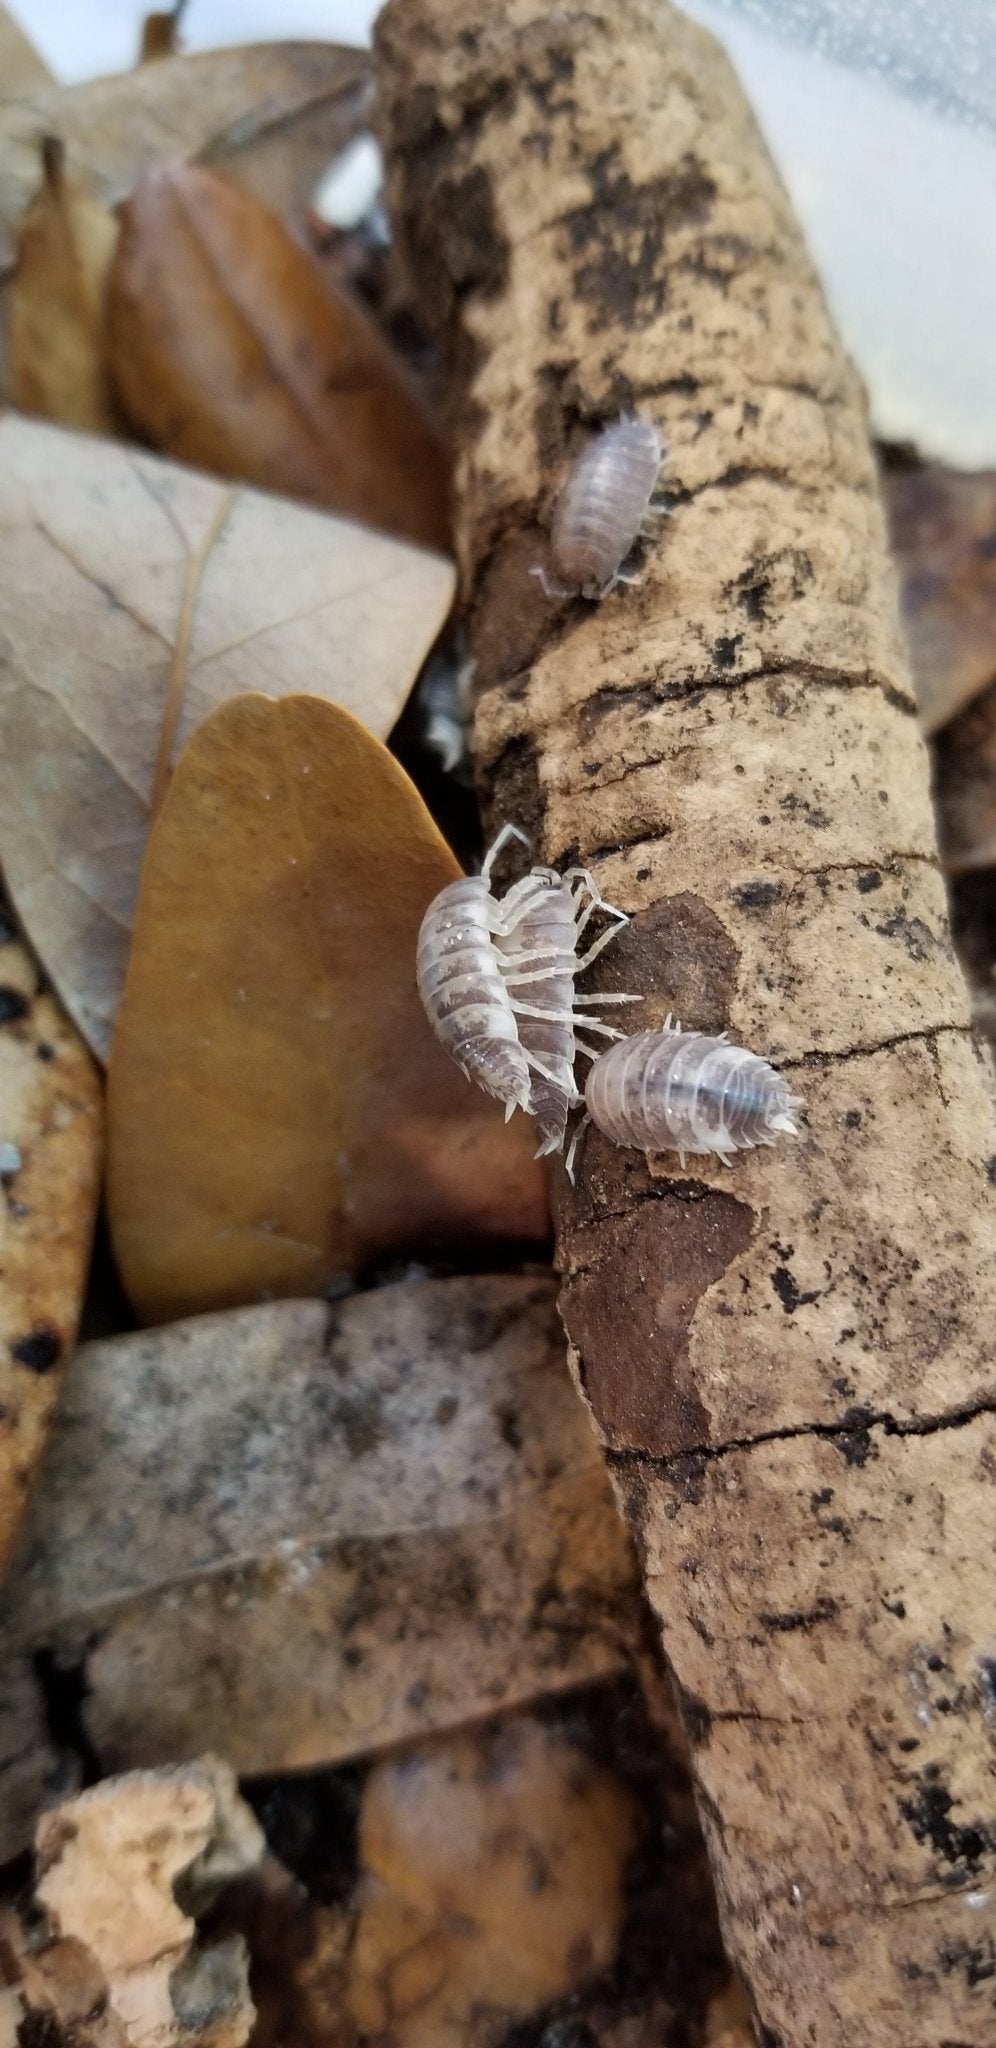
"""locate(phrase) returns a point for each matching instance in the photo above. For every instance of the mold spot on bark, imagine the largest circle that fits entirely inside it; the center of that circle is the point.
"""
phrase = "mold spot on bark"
(619, 236)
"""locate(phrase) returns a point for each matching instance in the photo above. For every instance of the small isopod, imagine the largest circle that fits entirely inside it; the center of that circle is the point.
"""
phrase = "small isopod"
(496, 979)
(604, 508)
(683, 1091)
(460, 979)
(548, 915)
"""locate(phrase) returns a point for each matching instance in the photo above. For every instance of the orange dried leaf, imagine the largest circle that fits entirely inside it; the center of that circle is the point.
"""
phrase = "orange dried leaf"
(230, 351)
(57, 325)
(279, 1109)
(135, 591)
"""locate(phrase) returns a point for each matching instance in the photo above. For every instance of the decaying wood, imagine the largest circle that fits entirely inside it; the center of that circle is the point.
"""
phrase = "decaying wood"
(302, 1534)
(789, 1365)
(51, 1153)
(112, 1960)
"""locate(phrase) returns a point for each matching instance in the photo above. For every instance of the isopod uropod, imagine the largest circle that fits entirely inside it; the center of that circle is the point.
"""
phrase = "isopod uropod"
(604, 508)
(497, 983)
(683, 1091)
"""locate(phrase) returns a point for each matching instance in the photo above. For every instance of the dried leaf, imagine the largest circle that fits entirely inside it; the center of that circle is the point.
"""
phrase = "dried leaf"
(965, 784)
(161, 35)
(943, 525)
(57, 326)
(22, 70)
(393, 1520)
(279, 1110)
(230, 351)
(50, 1163)
(96, 548)
(110, 1863)
(271, 115)
(495, 1866)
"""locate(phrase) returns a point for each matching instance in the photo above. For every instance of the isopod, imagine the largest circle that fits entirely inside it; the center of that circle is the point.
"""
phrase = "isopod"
(684, 1091)
(496, 979)
(604, 508)
(548, 915)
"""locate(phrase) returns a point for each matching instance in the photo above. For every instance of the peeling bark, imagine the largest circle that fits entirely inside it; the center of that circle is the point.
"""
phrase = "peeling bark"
(790, 1365)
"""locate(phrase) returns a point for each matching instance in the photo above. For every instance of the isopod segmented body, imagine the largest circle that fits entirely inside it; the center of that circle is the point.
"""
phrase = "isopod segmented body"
(496, 979)
(683, 1091)
(604, 505)
(548, 914)
(460, 979)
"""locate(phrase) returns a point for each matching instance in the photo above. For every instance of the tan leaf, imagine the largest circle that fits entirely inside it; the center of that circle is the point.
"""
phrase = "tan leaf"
(57, 324)
(97, 546)
(943, 526)
(494, 1883)
(271, 115)
(279, 1109)
(230, 350)
(22, 69)
(394, 1519)
(51, 1128)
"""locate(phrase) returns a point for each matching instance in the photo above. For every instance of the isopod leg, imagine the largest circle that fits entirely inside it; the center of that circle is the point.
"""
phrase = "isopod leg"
(507, 832)
(581, 1126)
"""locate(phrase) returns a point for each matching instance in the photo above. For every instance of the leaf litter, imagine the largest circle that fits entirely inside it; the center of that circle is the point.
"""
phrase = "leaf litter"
(96, 547)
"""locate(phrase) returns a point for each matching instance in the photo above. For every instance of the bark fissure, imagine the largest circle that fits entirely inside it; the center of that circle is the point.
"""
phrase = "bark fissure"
(858, 1422)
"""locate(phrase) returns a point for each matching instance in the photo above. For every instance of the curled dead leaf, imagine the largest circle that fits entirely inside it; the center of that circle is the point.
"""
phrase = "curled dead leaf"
(395, 1519)
(22, 69)
(279, 1110)
(270, 115)
(58, 354)
(51, 1145)
(106, 559)
(231, 351)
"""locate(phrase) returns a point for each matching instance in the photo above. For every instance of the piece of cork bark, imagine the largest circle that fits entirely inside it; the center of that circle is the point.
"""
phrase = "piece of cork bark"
(790, 1365)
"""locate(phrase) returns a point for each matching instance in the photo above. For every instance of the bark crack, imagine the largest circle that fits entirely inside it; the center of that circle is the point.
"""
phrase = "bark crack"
(854, 1423)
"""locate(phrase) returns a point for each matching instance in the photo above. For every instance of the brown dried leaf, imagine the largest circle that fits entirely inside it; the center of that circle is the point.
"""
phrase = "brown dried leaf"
(120, 1956)
(96, 548)
(270, 115)
(495, 1866)
(58, 310)
(965, 784)
(51, 1128)
(943, 526)
(161, 35)
(394, 1519)
(279, 1110)
(230, 351)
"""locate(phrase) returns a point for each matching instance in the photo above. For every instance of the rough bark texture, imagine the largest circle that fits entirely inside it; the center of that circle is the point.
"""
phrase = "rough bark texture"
(789, 1365)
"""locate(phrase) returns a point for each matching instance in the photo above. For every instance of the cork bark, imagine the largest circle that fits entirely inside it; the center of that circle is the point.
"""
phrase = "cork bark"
(789, 1365)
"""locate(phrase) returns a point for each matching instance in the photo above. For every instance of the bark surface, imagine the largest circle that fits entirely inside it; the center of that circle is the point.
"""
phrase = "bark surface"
(789, 1365)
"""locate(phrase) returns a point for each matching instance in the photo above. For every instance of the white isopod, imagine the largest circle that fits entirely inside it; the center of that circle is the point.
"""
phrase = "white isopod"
(549, 914)
(604, 508)
(683, 1091)
(496, 980)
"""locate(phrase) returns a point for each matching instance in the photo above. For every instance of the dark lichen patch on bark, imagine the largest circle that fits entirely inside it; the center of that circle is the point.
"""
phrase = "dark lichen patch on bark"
(650, 1269)
(618, 237)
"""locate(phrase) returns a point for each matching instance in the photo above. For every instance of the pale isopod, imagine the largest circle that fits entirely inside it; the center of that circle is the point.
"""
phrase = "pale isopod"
(460, 979)
(605, 507)
(683, 1091)
(497, 983)
(548, 915)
